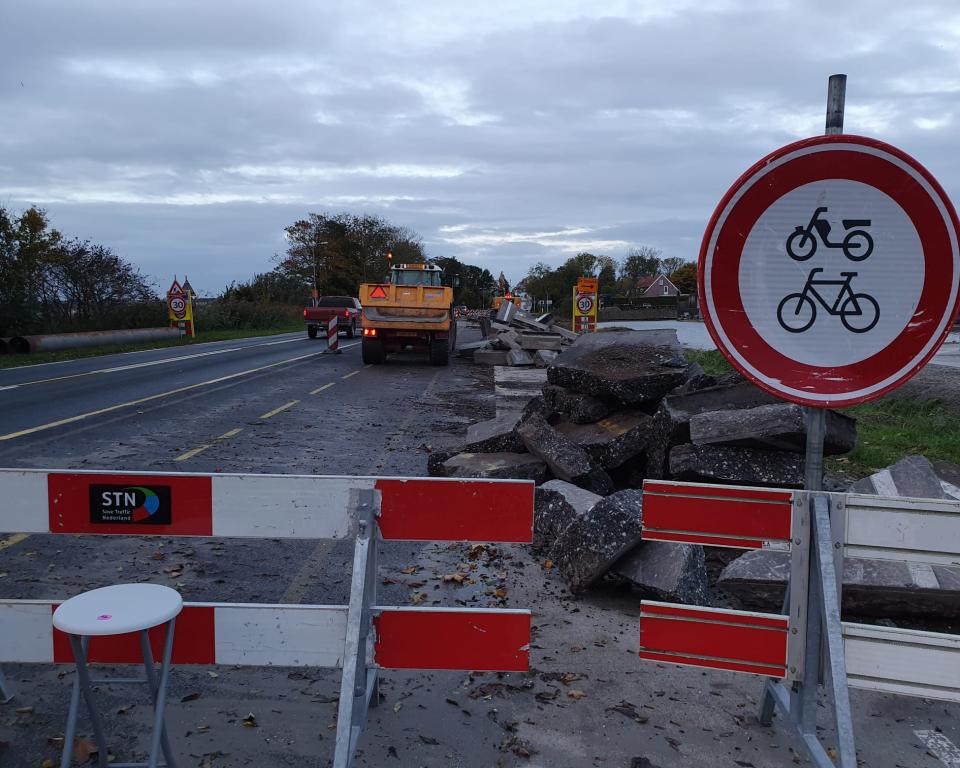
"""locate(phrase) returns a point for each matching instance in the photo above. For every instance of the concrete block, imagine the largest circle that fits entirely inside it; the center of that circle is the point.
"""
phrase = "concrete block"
(779, 426)
(912, 476)
(507, 311)
(565, 459)
(543, 358)
(671, 425)
(519, 357)
(515, 466)
(628, 366)
(876, 588)
(738, 466)
(575, 406)
(612, 440)
(495, 435)
(490, 357)
(593, 542)
(533, 341)
(557, 503)
(675, 573)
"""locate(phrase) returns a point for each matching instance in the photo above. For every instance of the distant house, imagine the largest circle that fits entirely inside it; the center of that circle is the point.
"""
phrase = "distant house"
(657, 286)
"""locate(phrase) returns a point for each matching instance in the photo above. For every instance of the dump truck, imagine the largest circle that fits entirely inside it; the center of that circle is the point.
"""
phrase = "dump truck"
(412, 310)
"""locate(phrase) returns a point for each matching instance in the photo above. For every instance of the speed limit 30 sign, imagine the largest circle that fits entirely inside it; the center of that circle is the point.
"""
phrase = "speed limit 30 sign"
(830, 271)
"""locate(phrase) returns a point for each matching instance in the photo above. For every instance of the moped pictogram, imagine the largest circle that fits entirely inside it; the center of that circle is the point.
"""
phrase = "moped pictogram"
(857, 244)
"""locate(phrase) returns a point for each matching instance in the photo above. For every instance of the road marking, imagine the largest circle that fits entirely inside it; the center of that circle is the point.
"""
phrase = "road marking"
(11, 540)
(940, 746)
(231, 433)
(348, 375)
(368, 365)
(318, 390)
(147, 364)
(191, 453)
(282, 408)
(109, 409)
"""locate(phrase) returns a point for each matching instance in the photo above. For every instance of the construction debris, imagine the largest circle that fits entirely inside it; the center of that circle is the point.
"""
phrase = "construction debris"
(611, 410)
(517, 338)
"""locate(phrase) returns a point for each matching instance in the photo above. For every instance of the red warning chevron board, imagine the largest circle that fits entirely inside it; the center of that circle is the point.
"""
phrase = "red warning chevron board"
(737, 641)
(455, 638)
(715, 515)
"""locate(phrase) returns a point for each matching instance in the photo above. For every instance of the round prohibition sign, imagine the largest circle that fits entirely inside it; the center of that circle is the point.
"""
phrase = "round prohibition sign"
(585, 303)
(830, 271)
(178, 305)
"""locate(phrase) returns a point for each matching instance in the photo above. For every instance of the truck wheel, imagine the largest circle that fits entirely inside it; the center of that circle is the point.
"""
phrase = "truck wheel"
(352, 330)
(439, 352)
(371, 350)
(312, 331)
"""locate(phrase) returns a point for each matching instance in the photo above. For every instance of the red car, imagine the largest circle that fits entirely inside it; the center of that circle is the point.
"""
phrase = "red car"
(346, 308)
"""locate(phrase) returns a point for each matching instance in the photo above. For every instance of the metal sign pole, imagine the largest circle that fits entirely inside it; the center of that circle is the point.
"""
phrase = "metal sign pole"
(822, 582)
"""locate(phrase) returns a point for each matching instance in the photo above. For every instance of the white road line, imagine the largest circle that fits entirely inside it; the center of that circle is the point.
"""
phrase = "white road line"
(318, 390)
(147, 364)
(149, 398)
(940, 746)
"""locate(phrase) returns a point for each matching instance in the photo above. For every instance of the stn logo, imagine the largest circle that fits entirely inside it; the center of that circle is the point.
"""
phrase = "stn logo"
(130, 504)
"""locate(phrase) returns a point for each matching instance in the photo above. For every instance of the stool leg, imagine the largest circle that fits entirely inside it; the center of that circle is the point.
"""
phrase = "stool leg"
(152, 682)
(161, 700)
(80, 654)
(71, 732)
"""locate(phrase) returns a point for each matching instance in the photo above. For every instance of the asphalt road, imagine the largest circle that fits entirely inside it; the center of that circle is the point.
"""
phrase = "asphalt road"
(587, 701)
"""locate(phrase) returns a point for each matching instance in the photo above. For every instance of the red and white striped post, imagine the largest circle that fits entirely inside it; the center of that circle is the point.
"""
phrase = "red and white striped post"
(333, 337)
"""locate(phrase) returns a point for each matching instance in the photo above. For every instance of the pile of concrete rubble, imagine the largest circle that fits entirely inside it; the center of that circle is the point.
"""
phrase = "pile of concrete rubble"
(515, 337)
(618, 407)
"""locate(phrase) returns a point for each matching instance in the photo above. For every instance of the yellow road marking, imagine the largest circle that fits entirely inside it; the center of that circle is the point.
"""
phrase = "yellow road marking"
(231, 433)
(11, 540)
(318, 390)
(109, 409)
(275, 411)
(191, 453)
(348, 375)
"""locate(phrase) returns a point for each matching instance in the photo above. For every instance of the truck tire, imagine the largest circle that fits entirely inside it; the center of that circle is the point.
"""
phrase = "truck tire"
(440, 352)
(312, 331)
(371, 350)
(352, 329)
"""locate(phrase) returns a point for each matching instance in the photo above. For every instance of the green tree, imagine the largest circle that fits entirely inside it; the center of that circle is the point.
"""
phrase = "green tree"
(671, 264)
(639, 262)
(685, 277)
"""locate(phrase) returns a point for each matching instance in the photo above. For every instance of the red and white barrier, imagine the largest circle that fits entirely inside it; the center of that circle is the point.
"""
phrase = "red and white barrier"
(359, 638)
(333, 336)
(819, 529)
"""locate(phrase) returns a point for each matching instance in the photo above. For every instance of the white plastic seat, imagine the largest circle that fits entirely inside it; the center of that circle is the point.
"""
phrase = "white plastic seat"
(119, 610)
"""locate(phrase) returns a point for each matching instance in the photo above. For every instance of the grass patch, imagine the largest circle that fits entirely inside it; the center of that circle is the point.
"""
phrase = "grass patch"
(12, 361)
(887, 429)
(892, 427)
(711, 360)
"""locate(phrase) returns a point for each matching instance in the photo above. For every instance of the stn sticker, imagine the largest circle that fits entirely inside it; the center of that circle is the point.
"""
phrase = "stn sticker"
(130, 504)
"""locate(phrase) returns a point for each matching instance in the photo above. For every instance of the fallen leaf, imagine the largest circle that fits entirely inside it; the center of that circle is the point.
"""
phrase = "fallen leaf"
(397, 706)
(418, 597)
(190, 697)
(628, 709)
(24, 710)
(409, 570)
(455, 577)
(203, 728)
(576, 694)
(48, 763)
(500, 592)
(428, 740)
(547, 695)
(250, 721)
(125, 709)
(213, 674)
(568, 677)
(548, 563)
(83, 748)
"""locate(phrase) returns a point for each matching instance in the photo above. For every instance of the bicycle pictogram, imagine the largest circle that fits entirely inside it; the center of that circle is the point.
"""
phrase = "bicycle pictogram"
(858, 312)
(857, 244)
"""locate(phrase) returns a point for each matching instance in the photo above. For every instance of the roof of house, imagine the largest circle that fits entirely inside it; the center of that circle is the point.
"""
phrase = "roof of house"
(646, 282)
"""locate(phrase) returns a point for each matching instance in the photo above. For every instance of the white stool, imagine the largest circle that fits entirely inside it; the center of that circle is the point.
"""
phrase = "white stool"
(118, 610)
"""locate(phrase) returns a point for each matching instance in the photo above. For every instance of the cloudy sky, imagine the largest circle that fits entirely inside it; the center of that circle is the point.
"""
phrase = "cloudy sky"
(187, 134)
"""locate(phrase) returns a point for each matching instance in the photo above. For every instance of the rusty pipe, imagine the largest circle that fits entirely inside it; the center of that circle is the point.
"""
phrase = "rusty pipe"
(51, 342)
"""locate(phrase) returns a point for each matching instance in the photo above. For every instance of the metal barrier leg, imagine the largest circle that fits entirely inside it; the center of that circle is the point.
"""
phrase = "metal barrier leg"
(6, 690)
(155, 693)
(71, 732)
(359, 682)
(836, 671)
(160, 701)
(83, 678)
